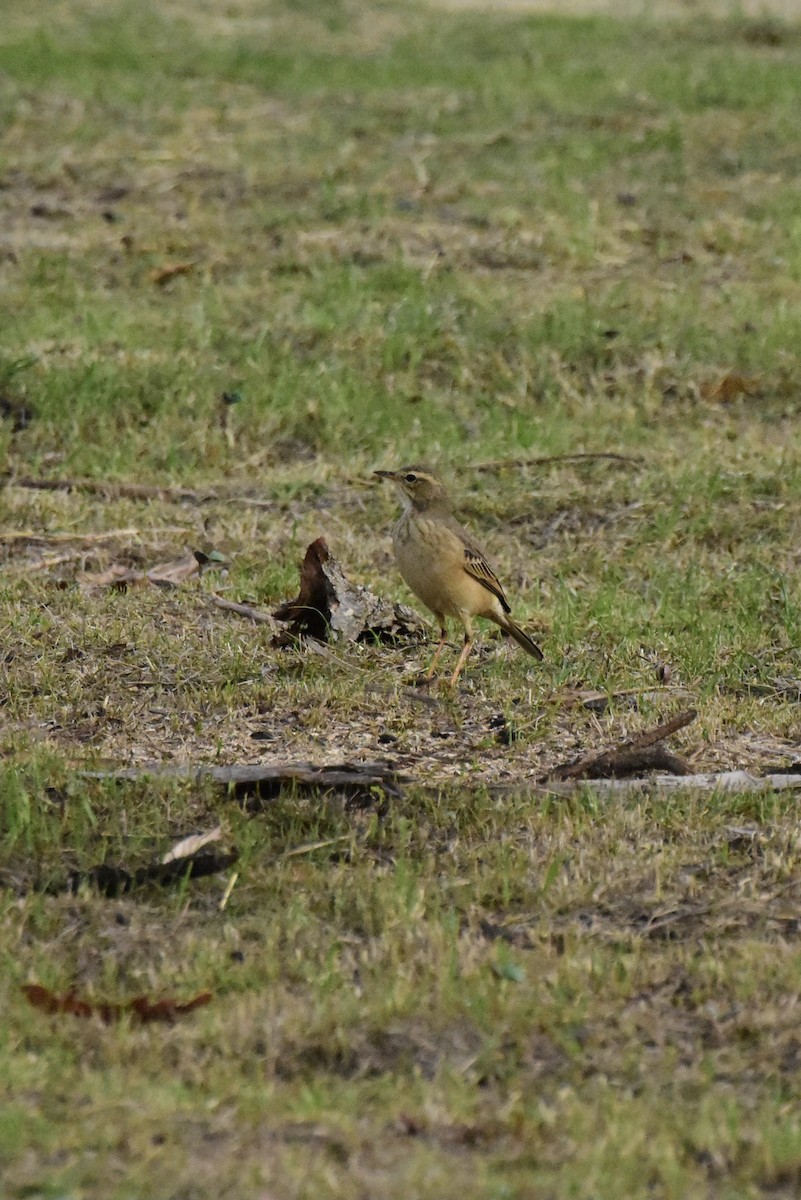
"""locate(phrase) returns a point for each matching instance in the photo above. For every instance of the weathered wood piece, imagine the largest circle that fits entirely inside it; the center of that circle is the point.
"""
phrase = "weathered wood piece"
(639, 753)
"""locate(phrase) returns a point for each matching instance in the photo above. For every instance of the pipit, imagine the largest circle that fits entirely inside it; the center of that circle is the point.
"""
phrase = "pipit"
(444, 567)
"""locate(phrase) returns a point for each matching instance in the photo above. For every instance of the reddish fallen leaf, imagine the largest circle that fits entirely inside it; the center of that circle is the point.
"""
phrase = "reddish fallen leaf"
(162, 275)
(49, 1002)
(140, 1007)
(731, 386)
(166, 1010)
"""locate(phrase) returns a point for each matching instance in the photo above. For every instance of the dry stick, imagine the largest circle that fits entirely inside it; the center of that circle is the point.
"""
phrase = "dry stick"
(568, 698)
(628, 756)
(724, 781)
(311, 644)
(243, 610)
(55, 539)
(265, 782)
(649, 737)
(140, 491)
(101, 487)
(498, 464)
(44, 564)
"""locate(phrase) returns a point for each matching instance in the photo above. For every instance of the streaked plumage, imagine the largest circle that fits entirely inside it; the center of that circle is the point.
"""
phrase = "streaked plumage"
(444, 566)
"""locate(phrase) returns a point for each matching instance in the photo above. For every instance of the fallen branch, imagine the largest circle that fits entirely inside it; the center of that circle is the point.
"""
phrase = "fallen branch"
(329, 605)
(649, 737)
(723, 781)
(546, 460)
(114, 491)
(144, 491)
(243, 610)
(629, 756)
(262, 783)
(258, 785)
(56, 539)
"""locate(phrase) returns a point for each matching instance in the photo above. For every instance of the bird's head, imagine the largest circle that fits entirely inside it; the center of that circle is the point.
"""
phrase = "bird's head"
(420, 486)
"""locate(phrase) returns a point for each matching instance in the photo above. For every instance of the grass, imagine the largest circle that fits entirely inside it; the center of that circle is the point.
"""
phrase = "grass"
(472, 238)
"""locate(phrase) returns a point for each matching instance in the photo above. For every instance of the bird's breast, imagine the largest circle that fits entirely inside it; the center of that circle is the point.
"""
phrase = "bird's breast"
(431, 560)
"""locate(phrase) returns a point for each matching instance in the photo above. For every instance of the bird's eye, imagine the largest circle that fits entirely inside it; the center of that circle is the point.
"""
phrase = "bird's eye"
(411, 478)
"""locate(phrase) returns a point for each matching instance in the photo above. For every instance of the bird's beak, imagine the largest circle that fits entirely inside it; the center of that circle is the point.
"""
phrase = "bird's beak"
(385, 474)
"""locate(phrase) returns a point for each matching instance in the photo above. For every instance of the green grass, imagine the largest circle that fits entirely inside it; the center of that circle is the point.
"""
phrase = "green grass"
(473, 239)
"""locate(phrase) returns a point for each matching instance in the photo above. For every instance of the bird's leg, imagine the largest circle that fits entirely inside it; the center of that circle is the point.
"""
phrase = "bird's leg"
(466, 648)
(443, 637)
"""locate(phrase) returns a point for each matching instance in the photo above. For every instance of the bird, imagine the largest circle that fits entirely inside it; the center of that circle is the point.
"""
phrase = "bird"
(444, 566)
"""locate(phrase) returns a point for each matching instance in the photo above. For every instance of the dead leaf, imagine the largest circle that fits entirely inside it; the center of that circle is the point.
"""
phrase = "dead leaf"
(165, 575)
(175, 572)
(162, 275)
(189, 846)
(310, 611)
(116, 576)
(731, 386)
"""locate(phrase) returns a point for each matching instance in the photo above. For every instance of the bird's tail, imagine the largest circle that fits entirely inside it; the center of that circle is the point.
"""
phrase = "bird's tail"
(521, 638)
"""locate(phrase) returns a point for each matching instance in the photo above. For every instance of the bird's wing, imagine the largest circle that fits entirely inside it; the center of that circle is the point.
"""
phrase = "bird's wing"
(475, 563)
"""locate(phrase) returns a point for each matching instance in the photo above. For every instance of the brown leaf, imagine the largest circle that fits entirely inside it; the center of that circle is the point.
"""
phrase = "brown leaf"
(116, 576)
(174, 572)
(162, 275)
(731, 386)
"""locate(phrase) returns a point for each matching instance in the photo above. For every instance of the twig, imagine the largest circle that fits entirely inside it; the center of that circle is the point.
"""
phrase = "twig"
(500, 464)
(44, 564)
(243, 610)
(111, 491)
(723, 781)
(55, 539)
(229, 887)
(629, 756)
(144, 491)
(308, 847)
(649, 737)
